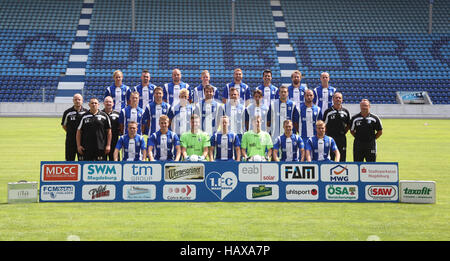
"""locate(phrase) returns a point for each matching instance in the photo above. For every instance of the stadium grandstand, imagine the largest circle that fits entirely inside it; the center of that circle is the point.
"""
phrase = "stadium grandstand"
(51, 49)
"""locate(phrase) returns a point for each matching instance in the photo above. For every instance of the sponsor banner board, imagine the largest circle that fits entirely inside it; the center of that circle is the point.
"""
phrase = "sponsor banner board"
(23, 192)
(417, 191)
(220, 182)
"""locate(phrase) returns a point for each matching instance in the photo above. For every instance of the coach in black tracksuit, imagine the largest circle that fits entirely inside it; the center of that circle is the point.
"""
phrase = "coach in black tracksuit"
(337, 120)
(70, 121)
(366, 128)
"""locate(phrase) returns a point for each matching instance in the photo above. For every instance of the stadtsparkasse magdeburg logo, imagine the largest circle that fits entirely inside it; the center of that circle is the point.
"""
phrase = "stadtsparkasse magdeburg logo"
(61, 172)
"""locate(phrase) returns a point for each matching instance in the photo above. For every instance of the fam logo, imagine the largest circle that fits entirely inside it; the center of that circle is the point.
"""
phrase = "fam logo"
(299, 172)
(102, 172)
(339, 173)
(221, 184)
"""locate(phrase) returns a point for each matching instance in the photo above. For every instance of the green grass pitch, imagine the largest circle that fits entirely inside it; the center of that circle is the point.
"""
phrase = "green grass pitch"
(422, 148)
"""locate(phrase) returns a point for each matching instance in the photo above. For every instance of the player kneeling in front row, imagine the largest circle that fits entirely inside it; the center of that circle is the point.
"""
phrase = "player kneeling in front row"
(319, 146)
(163, 143)
(289, 145)
(225, 146)
(256, 144)
(132, 145)
(195, 143)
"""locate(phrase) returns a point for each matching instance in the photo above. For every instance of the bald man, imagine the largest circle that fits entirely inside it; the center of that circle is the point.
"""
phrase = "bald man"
(70, 121)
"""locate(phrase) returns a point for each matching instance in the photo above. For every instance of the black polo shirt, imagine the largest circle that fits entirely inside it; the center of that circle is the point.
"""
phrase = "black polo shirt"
(365, 127)
(115, 126)
(94, 129)
(71, 119)
(336, 121)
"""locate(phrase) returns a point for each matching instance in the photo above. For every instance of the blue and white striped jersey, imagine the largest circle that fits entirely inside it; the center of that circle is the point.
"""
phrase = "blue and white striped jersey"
(120, 96)
(278, 113)
(131, 148)
(197, 95)
(209, 114)
(269, 93)
(236, 116)
(308, 116)
(180, 118)
(164, 145)
(289, 148)
(244, 92)
(319, 149)
(171, 92)
(252, 111)
(224, 145)
(145, 94)
(297, 95)
(131, 114)
(152, 113)
(323, 98)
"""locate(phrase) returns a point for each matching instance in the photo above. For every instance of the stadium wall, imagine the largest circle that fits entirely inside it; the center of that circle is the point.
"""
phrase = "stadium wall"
(17, 109)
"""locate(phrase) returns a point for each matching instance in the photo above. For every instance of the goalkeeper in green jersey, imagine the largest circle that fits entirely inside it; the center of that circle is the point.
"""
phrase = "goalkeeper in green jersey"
(256, 145)
(195, 143)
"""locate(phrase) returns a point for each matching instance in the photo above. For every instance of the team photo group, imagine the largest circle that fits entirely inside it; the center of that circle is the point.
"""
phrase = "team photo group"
(179, 122)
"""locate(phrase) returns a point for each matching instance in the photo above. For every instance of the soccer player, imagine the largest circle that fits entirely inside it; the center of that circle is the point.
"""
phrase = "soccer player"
(225, 146)
(289, 146)
(269, 91)
(118, 91)
(323, 94)
(164, 144)
(256, 108)
(256, 145)
(337, 120)
(180, 114)
(296, 90)
(195, 144)
(280, 110)
(197, 93)
(94, 134)
(308, 116)
(153, 111)
(208, 110)
(318, 147)
(244, 89)
(145, 90)
(70, 121)
(366, 128)
(115, 125)
(132, 144)
(172, 90)
(131, 113)
(235, 112)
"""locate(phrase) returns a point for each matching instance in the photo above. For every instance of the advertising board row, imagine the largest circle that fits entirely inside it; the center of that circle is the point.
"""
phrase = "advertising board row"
(214, 181)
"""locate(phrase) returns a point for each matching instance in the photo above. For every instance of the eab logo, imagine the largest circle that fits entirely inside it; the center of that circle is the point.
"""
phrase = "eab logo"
(102, 172)
(299, 172)
(341, 192)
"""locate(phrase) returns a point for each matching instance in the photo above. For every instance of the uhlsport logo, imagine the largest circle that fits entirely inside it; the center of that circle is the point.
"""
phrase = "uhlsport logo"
(299, 172)
(102, 172)
(60, 172)
(302, 192)
(221, 184)
(382, 192)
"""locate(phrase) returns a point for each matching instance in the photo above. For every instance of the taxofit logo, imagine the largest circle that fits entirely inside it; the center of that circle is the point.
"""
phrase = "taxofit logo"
(61, 172)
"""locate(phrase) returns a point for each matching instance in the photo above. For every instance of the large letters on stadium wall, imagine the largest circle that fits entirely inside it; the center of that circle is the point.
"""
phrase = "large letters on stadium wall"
(213, 181)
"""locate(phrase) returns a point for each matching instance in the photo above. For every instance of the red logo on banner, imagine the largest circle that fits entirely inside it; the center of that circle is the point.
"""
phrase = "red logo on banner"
(61, 172)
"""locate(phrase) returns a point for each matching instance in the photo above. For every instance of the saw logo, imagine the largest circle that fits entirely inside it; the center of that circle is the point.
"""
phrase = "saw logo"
(221, 184)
